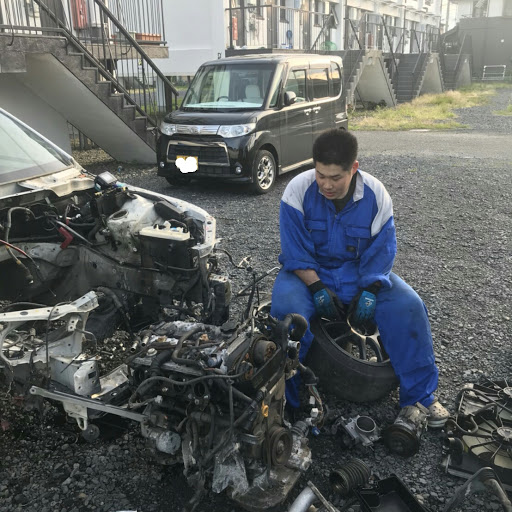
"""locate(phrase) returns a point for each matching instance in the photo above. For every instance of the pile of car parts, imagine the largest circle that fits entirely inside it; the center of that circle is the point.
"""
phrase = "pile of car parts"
(480, 433)
(208, 397)
(351, 481)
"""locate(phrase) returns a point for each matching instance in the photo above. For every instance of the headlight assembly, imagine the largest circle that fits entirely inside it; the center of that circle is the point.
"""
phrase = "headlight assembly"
(235, 130)
(167, 128)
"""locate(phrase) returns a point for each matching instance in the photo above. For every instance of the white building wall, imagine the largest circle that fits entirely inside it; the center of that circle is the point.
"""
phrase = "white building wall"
(495, 8)
(449, 14)
(465, 9)
(194, 30)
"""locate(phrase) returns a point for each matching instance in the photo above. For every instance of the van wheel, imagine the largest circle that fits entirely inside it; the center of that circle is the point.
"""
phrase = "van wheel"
(264, 172)
(177, 181)
(354, 368)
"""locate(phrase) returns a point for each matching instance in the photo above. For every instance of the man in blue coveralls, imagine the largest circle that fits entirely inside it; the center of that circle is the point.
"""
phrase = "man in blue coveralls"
(338, 245)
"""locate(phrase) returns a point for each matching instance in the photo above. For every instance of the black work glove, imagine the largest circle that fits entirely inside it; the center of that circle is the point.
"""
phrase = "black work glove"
(327, 303)
(362, 307)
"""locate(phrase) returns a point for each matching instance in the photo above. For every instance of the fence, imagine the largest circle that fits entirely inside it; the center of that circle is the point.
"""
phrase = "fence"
(272, 27)
(109, 39)
(376, 35)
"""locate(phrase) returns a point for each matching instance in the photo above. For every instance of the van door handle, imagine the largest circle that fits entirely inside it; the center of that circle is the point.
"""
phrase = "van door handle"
(307, 111)
(317, 109)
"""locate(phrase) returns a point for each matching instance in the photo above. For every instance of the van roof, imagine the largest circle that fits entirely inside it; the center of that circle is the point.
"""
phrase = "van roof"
(296, 58)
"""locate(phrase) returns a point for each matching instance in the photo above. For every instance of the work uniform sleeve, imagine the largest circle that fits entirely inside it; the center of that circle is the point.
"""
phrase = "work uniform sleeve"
(297, 248)
(377, 260)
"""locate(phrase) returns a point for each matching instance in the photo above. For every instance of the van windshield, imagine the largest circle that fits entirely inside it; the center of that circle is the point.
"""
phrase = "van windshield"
(229, 87)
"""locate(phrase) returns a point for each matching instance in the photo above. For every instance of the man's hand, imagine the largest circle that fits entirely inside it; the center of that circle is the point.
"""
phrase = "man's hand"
(327, 303)
(363, 306)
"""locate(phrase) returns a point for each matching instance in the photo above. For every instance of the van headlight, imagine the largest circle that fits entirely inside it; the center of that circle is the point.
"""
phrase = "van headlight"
(167, 128)
(235, 130)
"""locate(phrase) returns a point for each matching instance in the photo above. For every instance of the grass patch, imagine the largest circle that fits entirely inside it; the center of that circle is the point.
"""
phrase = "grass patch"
(429, 111)
(505, 112)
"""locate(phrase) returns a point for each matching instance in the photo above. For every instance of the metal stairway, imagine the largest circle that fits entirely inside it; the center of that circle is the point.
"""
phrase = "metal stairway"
(115, 107)
(409, 79)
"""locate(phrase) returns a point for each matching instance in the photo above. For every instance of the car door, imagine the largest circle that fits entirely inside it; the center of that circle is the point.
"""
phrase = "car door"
(322, 113)
(296, 135)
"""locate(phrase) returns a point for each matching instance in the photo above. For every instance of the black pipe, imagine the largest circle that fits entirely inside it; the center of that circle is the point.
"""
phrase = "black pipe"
(158, 361)
(282, 329)
(179, 346)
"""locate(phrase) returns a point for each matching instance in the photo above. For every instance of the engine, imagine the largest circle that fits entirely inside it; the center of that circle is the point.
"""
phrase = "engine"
(208, 397)
(214, 402)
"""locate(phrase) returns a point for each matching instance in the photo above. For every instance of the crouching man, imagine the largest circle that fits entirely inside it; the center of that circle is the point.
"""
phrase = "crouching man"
(338, 245)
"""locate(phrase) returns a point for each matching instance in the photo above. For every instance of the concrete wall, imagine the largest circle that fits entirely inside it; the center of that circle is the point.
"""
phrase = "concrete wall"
(21, 102)
(491, 41)
(432, 83)
(373, 84)
(464, 77)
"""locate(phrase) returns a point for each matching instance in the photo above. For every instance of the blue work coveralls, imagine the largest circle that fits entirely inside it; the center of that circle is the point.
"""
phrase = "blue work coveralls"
(350, 250)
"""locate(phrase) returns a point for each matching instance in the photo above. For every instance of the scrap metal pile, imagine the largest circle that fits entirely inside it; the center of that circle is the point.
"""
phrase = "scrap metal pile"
(209, 398)
(88, 256)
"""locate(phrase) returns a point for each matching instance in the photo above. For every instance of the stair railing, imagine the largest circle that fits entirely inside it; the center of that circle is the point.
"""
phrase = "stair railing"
(394, 63)
(119, 57)
(416, 73)
(328, 21)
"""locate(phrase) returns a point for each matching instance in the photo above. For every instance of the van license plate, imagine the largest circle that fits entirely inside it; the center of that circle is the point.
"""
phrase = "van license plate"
(187, 163)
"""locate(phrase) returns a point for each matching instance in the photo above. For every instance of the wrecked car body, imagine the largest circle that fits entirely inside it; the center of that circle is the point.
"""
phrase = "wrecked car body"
(81, 256)
(65, 232)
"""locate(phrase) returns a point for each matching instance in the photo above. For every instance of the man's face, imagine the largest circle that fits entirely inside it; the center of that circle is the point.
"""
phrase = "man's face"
(333, 181)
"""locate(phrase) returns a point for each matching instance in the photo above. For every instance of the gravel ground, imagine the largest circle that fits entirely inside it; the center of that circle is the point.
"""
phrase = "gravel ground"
(453, 217)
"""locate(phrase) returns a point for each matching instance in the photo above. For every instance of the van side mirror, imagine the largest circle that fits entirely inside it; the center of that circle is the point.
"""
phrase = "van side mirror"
(289, 98)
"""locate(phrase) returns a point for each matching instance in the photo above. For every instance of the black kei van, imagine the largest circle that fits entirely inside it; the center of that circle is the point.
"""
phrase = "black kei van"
(251, 118)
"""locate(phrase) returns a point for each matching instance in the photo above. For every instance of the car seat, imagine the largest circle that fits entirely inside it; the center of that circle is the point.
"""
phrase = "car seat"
(253, 94)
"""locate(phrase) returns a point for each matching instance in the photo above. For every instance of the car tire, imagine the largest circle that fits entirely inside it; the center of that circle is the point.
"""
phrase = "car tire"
(264, 172)
(178, 181)
(348, 377)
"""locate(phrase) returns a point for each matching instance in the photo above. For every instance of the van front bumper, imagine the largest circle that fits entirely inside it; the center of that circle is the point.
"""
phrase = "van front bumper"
(229, 159)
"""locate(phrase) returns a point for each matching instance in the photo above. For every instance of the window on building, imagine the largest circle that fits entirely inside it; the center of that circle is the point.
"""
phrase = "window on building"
(319, 79)
(296, 82)
(319, 8)
(282, 10)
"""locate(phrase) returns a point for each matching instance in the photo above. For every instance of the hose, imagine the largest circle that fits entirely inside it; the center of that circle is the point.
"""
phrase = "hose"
(354, 474)
(179, 346)
(484, 479)
(300, 326)
(158, 361)
(303, 501)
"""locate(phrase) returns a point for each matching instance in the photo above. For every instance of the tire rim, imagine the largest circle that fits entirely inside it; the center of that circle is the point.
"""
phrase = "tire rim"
(265, 173)
(347, 339)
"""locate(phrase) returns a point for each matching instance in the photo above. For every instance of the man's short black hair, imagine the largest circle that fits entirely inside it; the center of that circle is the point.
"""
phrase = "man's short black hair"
(335, 146)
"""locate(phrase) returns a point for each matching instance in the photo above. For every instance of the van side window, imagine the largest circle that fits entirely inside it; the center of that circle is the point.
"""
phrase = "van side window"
(320, 83)
(296, 82)
(335, 78)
